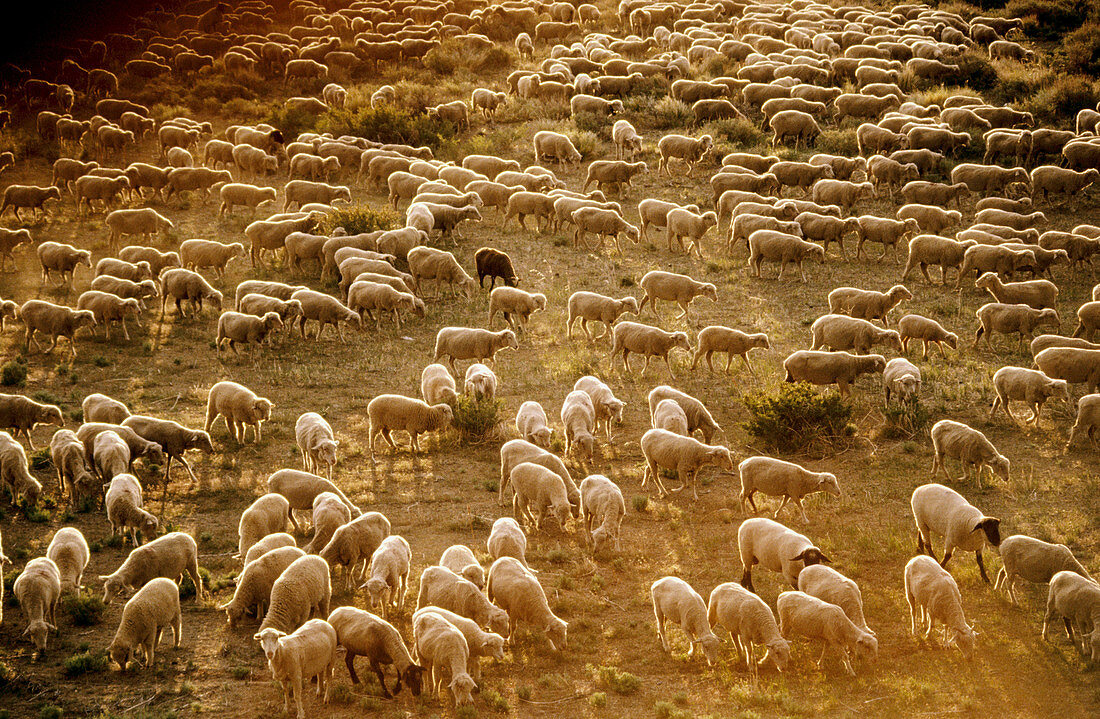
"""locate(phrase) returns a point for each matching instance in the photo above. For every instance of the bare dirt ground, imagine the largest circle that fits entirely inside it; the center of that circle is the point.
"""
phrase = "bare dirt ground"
(446, 495)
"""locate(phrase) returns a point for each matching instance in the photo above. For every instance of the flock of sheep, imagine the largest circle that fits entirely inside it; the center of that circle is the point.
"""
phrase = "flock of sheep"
(801, 65)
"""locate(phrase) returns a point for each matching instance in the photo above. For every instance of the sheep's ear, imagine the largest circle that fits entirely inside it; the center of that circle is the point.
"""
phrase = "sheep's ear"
(51, 627)
(256, 636)
(825, 559)
(800, 557)
(104, 577)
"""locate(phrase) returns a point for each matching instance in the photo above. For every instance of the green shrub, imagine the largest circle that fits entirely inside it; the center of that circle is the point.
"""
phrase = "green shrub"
(837, 142)
(86, 662)
(668, 114)
(85, 608)
(1048, 19)
(187, 587)
(975, 71)
(476, 418)
(905, 421)
(640, 502)
(616, 679)
(40, 459)
(34, 513)
(293, 122)
(595, 123)
(14, 373)
(388, 124)
(667, 710)
(796, 417)
(1081, 49)
(587, 143)
(220, 88)
(597, 699)
(358, 219)
(453, 54)
(1060, 100)
(741, 133)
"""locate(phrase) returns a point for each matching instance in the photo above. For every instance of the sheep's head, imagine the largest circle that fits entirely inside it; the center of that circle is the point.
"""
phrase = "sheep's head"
(462, 687)
(38, 629)
(261, 408)
(83, 318)
(867, 645)
(492, 645)
(811, 556)
(1049, 316)
(200, 440)
(112, 587)
(710, 644)
(120, 655)
(52, 415)
(826, 482)
(269, 640)
(556, 633)
(991, 526)
(965, 639)
(779, 654)
(377, 590)
(148, 528)
(680, 339)
(233, 613)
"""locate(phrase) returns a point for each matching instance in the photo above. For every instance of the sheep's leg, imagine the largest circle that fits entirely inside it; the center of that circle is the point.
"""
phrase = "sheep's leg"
(981, 566)
(786, 499)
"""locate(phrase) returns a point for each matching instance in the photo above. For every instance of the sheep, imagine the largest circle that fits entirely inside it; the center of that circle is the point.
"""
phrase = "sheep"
(1031, 386)
(325, 310)
(20, 197)
(428, 263)
(1043, 342)
(673, 287)
(389, 412)
(928, 331)
(780, 247)
(239, 193)
(441, 587)
(1033, 560)
(969, 446)
(683, 454)
(461, 560)
(255, 582)
(988, 179)
(108, 308)
(839, 368)
(479, 642)
(841, 332)
(593, 307)
(173, 438)
(688, 149)
(200, 254)
(275, 540)
(867, 304)
(361, 633)
(933, 595)
(309, 652)
(1037, 294)
(793, 123)
(605, 405)
(831, 586)
(668, 414)
(302, 587)
(126, 288)
(461, 343)
(698, 417)
(903, 378)
(37, 589)
(493, 263)
(133, 271)
(674, 599)
(717, 338)
(626, 139)
(512, 301)
(516, 451)
(61, 258)
(301, 192)
(932, 193)
(776, 548)
(536, 489)
(55, 321)
(886, 231)
(806, 615)
(316, 442)
(1077, 601)
(942, 511)
(514, 588)
(442, 648)
(388, 574)
(604, 224)
(437, 386)
(155, 606)
(648, 341)
(301, 489)
(844, 194)
(110, 455)
(137, 446)
(240, 407)
(778, 478)
(554, 146)
(169, 556)
(271, 234)
(353, 543)
(750, 622)
(259, 305)
(1050, 179)
(601, 504)
(1009, 319)
(73, 476)
(612, 174)
(506, 539)
(21, 415)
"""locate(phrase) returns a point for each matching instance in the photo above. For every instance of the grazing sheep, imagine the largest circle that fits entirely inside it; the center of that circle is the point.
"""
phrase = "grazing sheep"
(626, 139)
(1028, 385)
(606, 406)
(388, 574)
(831, 586)
(461, 343)
(933, 596)
(777, 478)
(493, 263)
(793, 123)
(37, 589)
(672, 287)
(554, 147)
(301, 489)
(602, 504)
(516, 451)
(169, 556)
(179, 284)
(54, 321)
(668, 414)
(806, 615)
(1033, 560)
(155, 606)
(310, 652)
(674, 599)
(240, 407)
(304, 586)
(783, 248)
(603, 224)
(21, 415)
(506, 539)
(684, 455)
(270, 542)
(442, 648)
(942, 511)
(361, 633)
(839, 368)
(647, 341)
(201, 254)
(1009, 319)
(441, 587)
(73, 477)
(325, 310)
(750, 622)
(841, 332)
(255, 581)
(776, 548)
(316, 443)
(969, 446)
(110, 455)
(867, 304)
(697, 415)
(437, 386)
(515, 589)
(1077, 601)
(593, 307)
(389, 412)
(14, 473)
(460, 559)
(352, 544)
(480, 382)
(717, 338)
(536, 490)
(903, 378)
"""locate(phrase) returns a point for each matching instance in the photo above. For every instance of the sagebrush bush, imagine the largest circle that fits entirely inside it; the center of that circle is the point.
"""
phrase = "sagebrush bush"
(837, 142)
(975, 71)
(1061, 99)
(905, 421)
(86, 662)
(475, 419)
(14, 373)
(387, 124)
(1048, 19)
(85, 608)
(453, 54)
(588, 144)
(616, 679)
(595, 123)
(293, 122)
(739, 132)
(358, 219)
(668, 114)
(797, 417)
(1081, 49)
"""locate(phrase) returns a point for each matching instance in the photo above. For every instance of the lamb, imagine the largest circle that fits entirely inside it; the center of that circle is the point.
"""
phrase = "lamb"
(536, 489)
(516, 451)
(514, 588)
(606, 406)
(14, 473)
(867, 304)
(441, 587)
(776, 548)
(61, 258)
(316, 443)
(240, 407)
(54, 321)
(1009, 319)
(778, 478)
(673, 287)
(110, 455)
(601, 504)
(389, 412)
(593, 307)
(839, 368)
(37, 589)
(480, 382)
(668, 414)
(303, 586)
(461, 343)
(155, 606)
(943, 511)
(684, 455)
(437, 386)
(21, 415)
(717, 338)
(1077, 601)
(239, 193)
(831, 586)
(648, 341)
(886, 231)
(806, 615)
(301, 489)
(168, 556)
(750, 622)
(1033, 560)
(179, 284)
(928, 331)
(1037, 294)
(1031, 386)
(487, 101)
(361, 633)
(506, 539)
(200, 254)
(353, 543)
(461, 560)
(783, 248)
(554, 146)
(933, 595)
(255, 582)
(310, 652)
(388, 574)
(841, 332)
(674, 599)
(442, 648)
(67, 456)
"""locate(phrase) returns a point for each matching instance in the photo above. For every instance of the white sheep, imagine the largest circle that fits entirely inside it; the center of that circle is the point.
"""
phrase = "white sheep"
(480, 382)
(578, 417)
(255, 581)
(353, 543)
(506, 539)
(717, 338)
(969, 446)
(831, 586)
(442, 649)
(69, 551)
(388, 575)
(169, 556)
(124, 504)
(776, 548)
(240, 406)
(514, 588)
(441, 587)
(666, 450)
(903, 378)
(388, 412)
(514, 302)
(674, 599)
(942, 511)
(267, 515)
(155, 606)
(361, 633)
(275, 540)
(538, 489)
(673, 287)
(806, 615)
(315, 442)
(460, 559)
(933, 596)
(593, 307)
(73, 477)
(648, 341)
(1033, 560)
(750, 622)
(1028, 385)
(460, 343)
(303, 587)
(515, 451)
(1077, 601)
(778, 478)
(698, 417)
(295, 659)
(531, 422)
(602, 504)
(38, 590)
